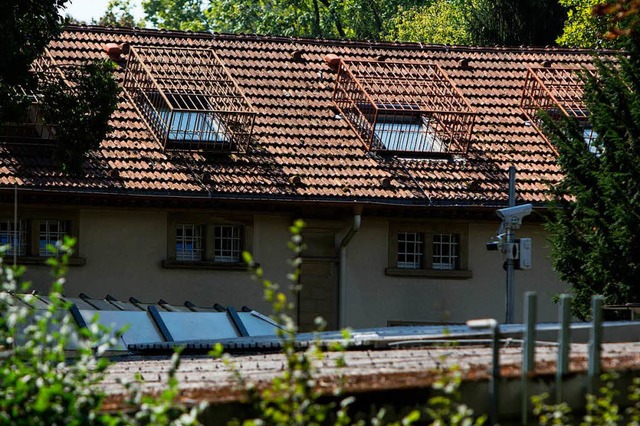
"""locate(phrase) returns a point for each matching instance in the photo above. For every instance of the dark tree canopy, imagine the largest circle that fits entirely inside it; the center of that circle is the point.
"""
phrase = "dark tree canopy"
(78, 108)
(515, 23)
(595, 229)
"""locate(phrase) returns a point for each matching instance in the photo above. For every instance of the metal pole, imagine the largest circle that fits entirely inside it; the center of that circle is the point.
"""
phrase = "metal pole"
(15, 225)
(564, 343)
(595, 341)
(528, 349)
(510, 296)
(495, 376)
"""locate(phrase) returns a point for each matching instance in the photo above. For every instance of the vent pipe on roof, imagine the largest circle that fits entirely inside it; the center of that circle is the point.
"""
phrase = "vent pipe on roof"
(115, 50)
(547, 64)
(333, 61)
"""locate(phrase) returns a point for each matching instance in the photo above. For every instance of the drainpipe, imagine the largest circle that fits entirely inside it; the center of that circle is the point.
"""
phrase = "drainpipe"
(343, 267)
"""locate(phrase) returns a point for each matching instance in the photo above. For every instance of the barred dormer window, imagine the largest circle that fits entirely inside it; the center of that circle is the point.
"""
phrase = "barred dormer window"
(189, 99)
(404, 108)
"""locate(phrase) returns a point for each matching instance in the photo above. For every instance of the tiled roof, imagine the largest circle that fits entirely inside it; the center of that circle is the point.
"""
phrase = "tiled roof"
(300, 148)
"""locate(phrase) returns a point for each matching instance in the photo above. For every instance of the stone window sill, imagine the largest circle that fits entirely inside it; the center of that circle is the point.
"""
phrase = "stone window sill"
(41, 260)
(429, 273)
(208, 265)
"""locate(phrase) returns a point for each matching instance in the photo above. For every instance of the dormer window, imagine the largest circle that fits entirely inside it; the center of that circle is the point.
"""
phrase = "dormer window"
(558, 92)
(189, 99)
(404, 108)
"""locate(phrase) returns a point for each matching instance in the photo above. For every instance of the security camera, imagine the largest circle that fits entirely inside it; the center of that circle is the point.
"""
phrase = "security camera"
(512, 216)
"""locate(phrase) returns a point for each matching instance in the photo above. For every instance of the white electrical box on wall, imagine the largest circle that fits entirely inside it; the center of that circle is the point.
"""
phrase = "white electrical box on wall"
(524, 262)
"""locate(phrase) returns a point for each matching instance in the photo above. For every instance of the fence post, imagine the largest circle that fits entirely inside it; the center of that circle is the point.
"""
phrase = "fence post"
(595, 340)
(528, 349)
(564, 343)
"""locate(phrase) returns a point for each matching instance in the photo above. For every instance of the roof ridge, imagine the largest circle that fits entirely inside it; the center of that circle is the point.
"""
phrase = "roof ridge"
(394, 45)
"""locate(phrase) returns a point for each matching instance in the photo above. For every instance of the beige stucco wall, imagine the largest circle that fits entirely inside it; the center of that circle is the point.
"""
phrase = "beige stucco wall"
(374, 298)
(124, 250)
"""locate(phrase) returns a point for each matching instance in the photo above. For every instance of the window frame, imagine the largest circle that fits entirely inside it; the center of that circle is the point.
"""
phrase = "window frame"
(32, 219)
(208, 224)
(409, 132)
(429, 229)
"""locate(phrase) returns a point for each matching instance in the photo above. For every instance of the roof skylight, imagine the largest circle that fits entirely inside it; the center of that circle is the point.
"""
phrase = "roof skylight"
(402, 107)
(189, 99)
(559, 92)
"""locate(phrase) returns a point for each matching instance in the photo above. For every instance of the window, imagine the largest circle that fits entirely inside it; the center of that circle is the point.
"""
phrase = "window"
(14, 236)
(407, 133)
(436, 250)
(35, 230)
(228, 243)
(445, 251)
(207, 241)
(189, 242)
(410, 250)
(50, 232)
(193, 126)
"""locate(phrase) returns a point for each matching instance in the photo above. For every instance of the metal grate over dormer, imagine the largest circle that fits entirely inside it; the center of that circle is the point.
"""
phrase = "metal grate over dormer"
(558, 92)
(189, 99)
(404, 107)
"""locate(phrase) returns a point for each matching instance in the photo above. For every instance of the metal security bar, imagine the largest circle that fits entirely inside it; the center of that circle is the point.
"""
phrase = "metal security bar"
(28, 125)
(189, 99)
(404, 107)
(558, 92)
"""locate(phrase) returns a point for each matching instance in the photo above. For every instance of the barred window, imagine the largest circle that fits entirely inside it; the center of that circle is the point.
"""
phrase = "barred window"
(410, 250)
(445, 251)
(51, 231)
(227, 243)
(189, 242)
(14, 235)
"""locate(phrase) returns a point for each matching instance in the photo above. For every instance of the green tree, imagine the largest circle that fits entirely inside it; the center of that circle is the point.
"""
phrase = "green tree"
(441, 22)
(90, 92)
(358, 19)
(119, 14)
(583, 28)
(515, 23)
(595, 228)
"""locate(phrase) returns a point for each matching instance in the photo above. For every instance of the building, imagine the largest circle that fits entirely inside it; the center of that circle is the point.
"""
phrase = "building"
(396, 155)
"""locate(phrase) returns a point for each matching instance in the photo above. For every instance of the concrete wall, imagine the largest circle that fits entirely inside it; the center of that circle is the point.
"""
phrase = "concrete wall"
(124, 250)
(374, 298)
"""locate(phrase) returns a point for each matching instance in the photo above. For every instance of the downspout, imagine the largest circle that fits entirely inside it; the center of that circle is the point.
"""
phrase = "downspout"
(343, 267)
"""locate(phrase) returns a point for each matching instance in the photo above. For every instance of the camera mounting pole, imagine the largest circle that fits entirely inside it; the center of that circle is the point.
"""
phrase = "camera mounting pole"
(511, 237)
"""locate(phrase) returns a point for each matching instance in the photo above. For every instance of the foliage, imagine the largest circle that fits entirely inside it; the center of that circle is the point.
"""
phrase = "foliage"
(446, 408)
(41, 385)
(440, 22)
(550, 414)
(582, 28)
(595, 227)
(600, 408)
(515, 23)
(185, 15)
(118, 14)
(80, 110)
(37, 386)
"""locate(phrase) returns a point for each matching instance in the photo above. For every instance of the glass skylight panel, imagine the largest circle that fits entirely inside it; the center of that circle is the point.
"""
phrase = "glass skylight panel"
(413, 137)
(185, 326)
(193, 126)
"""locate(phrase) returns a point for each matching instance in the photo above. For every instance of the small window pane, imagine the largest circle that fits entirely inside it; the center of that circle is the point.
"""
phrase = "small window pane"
(51, 231)
(189, 242)
(13, 236)
(445, 251)
(227, 243)
(410, 250)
